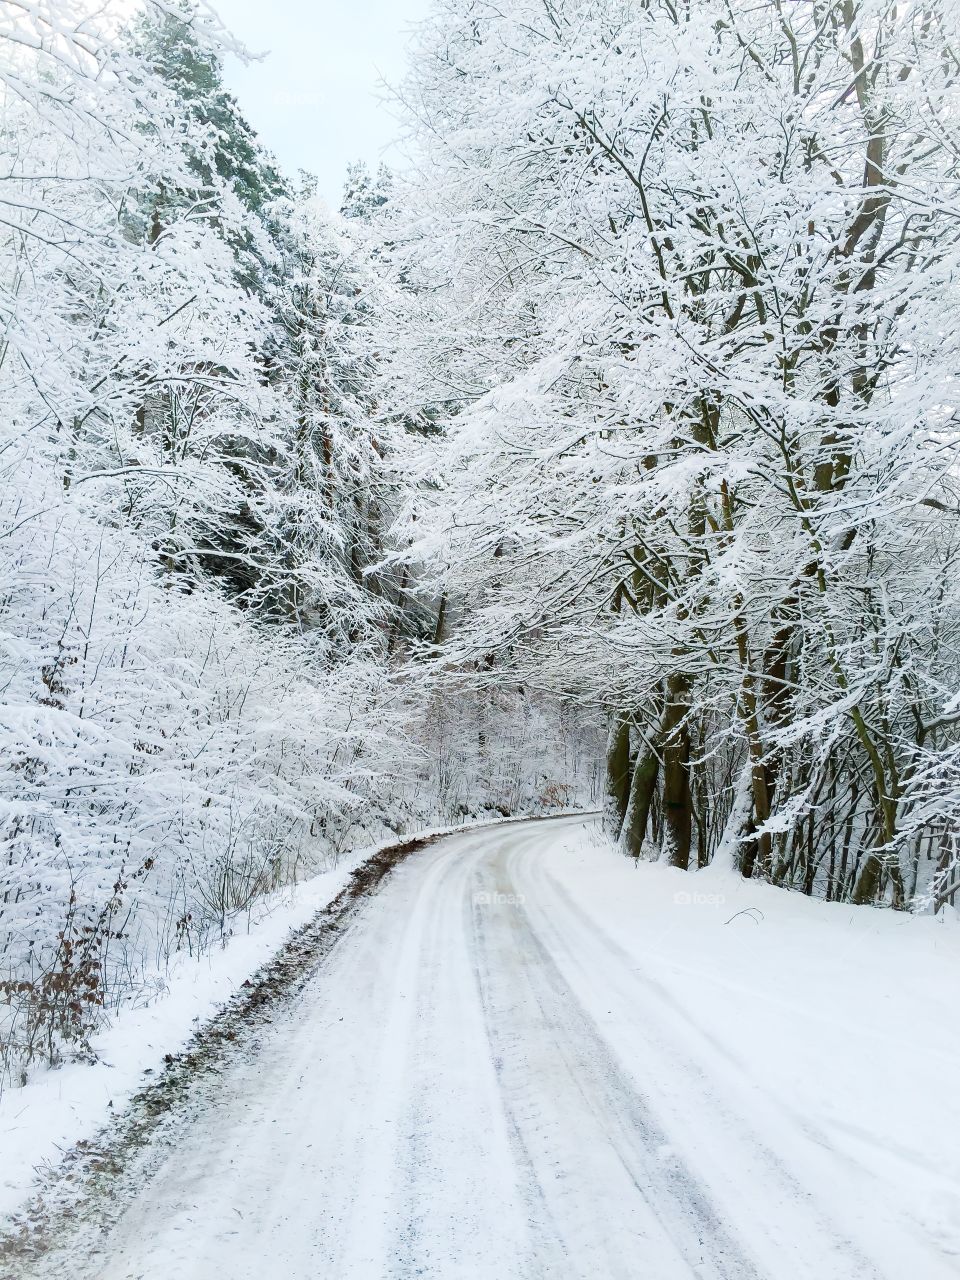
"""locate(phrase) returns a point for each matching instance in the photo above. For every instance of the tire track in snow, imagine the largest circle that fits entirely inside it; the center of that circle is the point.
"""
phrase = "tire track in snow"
(696, 1089)
(613, 1199)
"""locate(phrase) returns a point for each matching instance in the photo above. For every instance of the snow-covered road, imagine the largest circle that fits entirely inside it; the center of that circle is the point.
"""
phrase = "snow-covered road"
(480, 1081)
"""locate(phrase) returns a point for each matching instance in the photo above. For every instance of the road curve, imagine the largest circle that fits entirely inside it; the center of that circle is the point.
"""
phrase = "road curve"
(477, 1084)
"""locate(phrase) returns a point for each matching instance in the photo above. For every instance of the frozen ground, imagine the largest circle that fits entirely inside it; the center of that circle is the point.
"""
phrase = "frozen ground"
(526, 1057)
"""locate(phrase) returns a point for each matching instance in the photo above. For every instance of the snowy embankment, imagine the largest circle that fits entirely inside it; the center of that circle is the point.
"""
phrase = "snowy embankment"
(58, 1108)
(839, 1021)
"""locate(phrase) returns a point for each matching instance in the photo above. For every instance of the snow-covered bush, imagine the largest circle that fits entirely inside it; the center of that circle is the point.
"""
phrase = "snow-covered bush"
(165, 760)
(179, 735)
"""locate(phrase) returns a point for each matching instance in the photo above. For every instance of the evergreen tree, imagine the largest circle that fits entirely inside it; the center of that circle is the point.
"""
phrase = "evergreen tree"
(363, 194)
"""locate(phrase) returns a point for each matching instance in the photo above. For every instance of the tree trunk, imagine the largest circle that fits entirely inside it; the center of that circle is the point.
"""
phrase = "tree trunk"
(642, 791)
(617, 792)
(677, 816)
(867, 888)
(439, 631)
(868, 882)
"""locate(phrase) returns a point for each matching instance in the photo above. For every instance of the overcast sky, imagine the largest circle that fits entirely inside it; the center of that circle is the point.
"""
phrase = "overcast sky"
(313, 100)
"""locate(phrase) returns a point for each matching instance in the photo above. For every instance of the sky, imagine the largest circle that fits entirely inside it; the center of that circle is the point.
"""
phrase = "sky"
(314, 99)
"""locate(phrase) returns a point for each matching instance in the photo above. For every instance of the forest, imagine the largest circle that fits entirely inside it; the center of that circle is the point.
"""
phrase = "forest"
(603, 456)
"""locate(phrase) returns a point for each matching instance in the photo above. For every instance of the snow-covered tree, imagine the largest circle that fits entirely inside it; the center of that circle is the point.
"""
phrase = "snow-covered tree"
(174, 742)
(678, 284)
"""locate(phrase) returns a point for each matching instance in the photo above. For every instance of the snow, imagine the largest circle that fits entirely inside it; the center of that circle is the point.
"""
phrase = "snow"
(58, 1108)
(628, 409)
(530, 1057)
(838, 1024)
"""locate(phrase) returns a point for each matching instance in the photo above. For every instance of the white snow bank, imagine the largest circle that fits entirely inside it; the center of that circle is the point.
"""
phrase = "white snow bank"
(58, 1108)
(846, 1019)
